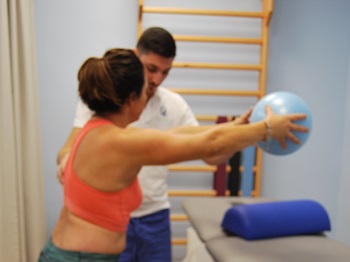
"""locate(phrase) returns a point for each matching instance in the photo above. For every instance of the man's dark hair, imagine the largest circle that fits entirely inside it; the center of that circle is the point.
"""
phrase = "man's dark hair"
(157, 40)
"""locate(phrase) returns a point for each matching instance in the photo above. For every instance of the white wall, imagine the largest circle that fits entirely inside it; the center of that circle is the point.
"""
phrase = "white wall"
(308, 55)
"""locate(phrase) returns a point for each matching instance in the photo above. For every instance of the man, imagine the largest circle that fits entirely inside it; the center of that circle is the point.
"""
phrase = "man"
(148, 235)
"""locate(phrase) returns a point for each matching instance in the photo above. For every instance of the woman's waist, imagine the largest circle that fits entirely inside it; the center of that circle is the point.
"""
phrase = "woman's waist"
(77, 234)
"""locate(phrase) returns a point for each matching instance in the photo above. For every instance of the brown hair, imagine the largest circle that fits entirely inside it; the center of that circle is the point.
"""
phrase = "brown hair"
(105, 83)
(157, 40)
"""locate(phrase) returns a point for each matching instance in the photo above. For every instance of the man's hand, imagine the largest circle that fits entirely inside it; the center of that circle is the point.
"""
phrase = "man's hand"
(61, 166)
(243, 119)
(63, 154)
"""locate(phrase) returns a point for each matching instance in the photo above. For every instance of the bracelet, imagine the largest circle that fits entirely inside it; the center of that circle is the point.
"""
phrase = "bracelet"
(268, 131)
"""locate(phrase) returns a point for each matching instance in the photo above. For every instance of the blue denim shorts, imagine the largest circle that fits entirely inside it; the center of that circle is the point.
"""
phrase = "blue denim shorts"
(51, 253)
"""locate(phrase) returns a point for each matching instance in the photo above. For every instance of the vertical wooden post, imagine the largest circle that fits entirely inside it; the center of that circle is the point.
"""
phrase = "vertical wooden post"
(267, 7)
(139, 22)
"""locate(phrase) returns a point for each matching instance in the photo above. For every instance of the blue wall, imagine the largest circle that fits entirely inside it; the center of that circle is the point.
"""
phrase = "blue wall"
(343, 225)
(309, 55)
(67, 33)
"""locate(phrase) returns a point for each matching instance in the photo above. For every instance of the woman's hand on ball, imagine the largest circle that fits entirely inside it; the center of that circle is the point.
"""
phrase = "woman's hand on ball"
(283, 124)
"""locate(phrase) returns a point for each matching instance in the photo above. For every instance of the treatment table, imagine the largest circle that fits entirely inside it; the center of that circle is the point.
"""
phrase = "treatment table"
(208, 242)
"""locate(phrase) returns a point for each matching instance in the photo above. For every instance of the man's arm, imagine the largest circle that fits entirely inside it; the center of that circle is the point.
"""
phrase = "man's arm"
(82, 115)
(63, 154)
(243, 119)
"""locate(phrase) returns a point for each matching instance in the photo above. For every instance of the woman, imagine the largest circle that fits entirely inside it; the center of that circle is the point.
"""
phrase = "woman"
(100, 183)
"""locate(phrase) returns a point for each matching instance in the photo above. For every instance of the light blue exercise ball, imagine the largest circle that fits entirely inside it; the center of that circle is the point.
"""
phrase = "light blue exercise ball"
(283, 102)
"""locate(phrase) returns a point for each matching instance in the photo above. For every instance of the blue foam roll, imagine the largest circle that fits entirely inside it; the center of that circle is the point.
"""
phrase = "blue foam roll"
(276, 219)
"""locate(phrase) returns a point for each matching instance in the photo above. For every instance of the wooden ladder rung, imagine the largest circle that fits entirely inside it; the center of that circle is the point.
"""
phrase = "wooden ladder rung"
(195, 168)
(189, 11)
(209, 118)
(217, 92)
(216, 39)
(255, 193)
(241, 169)
(196, 193)
(191, 192)
(179, 241)
(216, 66)
(178, 217)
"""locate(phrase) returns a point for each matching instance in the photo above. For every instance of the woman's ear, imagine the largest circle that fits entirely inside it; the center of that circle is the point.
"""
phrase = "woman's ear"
(132, 97)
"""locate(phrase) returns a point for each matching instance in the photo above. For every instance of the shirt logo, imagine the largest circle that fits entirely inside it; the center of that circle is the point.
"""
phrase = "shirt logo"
(163, 110)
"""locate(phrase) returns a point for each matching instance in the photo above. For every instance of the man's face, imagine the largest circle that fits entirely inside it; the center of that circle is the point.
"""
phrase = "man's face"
(157, 68)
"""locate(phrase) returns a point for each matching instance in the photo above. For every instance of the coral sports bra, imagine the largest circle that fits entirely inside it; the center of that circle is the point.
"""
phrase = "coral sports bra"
(110, 210)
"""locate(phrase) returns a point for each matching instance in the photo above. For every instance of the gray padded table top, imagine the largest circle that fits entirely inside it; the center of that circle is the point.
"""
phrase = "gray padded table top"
(283, 249)
(206, 213)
